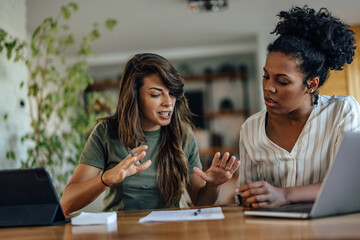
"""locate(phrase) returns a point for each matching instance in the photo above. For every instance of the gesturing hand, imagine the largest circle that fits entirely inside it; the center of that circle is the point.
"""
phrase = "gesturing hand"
(261, 194)
(127, 167)
(220, 171)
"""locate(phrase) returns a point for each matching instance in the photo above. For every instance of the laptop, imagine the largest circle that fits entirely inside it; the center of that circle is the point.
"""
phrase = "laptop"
(28, 198)
(339, 193)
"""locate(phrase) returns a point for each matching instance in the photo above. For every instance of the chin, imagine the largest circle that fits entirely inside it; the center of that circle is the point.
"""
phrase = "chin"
(163, 124)
(274, 111)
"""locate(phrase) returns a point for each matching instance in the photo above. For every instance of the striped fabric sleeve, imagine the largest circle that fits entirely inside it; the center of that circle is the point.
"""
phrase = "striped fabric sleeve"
(351, 119)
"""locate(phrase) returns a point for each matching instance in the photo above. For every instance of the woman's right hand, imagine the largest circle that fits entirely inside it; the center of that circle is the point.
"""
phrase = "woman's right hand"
(127, 167)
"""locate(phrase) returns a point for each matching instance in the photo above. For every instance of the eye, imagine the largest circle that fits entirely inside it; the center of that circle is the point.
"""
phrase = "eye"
(283, 83)
(265, 77)
(155, 95)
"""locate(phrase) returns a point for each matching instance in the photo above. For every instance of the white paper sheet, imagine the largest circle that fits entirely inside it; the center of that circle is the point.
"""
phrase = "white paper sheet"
(86, 218)
(183, 215)
(103, 228)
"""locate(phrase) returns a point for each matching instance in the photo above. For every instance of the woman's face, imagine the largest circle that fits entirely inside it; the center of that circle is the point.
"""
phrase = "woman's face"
(156, 103)
(283, 88)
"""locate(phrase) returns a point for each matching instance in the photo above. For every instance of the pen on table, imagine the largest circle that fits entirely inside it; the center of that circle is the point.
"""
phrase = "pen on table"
(133, 155)
(197, 212)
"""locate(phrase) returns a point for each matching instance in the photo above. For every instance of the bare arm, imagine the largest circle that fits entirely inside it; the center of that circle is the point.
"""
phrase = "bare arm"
(261, 194)
(85, 185)
(202, 193)
(204, 187)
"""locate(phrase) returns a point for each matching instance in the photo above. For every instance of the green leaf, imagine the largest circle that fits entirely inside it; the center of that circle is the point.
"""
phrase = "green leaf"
(34, 51)
(19, 50)
(69, 40)
(53, 25)
(5, 117)
(17, 58)
(22, 84)
(33, 90)
(9, 47)
(3, 34)
(10, 155)
(36, 32)
(74, 6)
(111, 23)
(66, 13)
(95, 34)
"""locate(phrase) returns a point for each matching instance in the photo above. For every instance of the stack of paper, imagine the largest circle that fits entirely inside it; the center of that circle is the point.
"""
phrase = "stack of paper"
(184, 215)
(86, 218)
(104, 228)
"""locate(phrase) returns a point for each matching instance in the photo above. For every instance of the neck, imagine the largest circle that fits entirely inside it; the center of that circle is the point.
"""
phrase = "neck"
(298, 116)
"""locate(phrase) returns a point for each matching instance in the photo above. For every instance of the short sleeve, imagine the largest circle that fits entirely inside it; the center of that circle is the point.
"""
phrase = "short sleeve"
(192, 154)
(350, 112)
(94, 152)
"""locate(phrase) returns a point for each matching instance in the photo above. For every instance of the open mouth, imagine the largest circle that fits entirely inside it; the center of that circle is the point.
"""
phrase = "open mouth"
(165, 115)
(269, 102)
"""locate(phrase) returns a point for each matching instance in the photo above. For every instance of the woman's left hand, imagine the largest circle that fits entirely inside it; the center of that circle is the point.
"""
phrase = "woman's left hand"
(220, 171)
(261, 194)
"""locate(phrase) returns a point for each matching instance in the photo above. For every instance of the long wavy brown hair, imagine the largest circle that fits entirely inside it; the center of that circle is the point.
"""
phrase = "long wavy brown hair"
(172, 164)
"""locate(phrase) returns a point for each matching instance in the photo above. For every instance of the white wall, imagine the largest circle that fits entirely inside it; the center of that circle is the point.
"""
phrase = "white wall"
(12, 20)
(263, 39)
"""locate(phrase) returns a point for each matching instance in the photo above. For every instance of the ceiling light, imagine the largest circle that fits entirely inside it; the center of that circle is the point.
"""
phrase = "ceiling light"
(196, 6)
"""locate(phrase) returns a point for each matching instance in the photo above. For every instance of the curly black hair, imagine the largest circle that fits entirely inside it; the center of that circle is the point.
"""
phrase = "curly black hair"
(320, 41)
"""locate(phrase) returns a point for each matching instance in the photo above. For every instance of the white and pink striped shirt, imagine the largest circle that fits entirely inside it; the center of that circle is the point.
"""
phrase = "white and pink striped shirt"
(315, 149)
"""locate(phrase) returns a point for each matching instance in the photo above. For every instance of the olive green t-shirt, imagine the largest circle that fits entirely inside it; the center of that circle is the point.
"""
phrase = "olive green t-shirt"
(104, 150)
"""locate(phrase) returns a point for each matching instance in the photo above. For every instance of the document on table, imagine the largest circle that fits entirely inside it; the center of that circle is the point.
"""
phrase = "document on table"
(184, 215)
(86, 218)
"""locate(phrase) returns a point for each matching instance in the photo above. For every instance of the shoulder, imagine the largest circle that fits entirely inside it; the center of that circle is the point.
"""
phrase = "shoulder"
(189, 141)
(105, 128)
(255, 120)
(191, 151)
(100, 128)
(338, 103)
(189, 146)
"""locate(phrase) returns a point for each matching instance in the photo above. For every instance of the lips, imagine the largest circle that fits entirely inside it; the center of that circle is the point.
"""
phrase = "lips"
(269, 102)
(165, 114)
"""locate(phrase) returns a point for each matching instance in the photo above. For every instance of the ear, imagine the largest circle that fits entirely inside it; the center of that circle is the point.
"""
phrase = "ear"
(313, 84)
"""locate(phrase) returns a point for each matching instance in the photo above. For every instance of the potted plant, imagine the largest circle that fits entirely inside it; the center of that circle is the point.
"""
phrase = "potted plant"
(60, 121)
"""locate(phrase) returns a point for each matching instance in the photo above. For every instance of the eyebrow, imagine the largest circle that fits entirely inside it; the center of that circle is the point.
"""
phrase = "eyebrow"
(159, 89)
(278, 75)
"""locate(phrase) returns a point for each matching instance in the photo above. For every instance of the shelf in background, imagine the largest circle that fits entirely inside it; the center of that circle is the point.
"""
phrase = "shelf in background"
(226, 113)
(103, 85)
(214, 76)
(113, 84)
(212, 150)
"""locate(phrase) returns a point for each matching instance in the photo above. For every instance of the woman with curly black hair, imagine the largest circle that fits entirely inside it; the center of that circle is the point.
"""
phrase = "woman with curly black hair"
(286, 149)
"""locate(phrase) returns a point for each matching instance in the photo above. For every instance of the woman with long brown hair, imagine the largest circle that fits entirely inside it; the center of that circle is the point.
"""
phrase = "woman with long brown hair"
(153, 120)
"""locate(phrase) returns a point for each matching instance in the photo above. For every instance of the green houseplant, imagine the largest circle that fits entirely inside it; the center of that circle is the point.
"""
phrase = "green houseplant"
(60, 121)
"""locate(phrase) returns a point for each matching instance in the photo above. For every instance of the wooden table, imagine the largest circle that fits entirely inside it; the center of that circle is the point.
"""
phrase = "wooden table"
(234, 226)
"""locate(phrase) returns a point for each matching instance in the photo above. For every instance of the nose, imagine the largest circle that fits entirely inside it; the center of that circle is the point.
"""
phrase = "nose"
(269, 85)
(168, 100)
